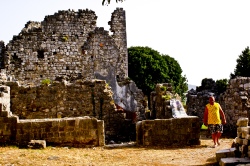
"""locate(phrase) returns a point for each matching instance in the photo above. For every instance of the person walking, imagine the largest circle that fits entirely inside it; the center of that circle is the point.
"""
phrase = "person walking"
(214, 118)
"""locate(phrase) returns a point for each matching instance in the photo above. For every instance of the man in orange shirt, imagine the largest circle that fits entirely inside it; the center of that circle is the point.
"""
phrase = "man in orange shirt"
(214, 117)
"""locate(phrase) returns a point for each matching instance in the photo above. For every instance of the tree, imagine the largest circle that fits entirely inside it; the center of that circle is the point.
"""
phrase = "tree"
(108, 1)
(221, 85)
(175, 73)
(147, 67)
(243, 65)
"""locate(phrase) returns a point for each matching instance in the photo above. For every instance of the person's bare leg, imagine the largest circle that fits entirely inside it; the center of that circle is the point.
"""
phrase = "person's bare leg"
(214, 137)
(218, 135)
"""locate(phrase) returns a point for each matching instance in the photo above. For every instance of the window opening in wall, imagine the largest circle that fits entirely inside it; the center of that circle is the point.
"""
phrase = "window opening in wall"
(40, 54)
(67, 67)
(54, 53)
(41, 76)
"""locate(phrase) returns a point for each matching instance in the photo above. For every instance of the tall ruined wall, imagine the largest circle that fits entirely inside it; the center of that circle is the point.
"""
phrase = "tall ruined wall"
(234, 101)
(68, 47)
(68, 44)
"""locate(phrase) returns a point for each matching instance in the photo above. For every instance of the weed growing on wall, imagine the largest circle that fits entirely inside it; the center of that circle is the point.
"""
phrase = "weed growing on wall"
(46, 82)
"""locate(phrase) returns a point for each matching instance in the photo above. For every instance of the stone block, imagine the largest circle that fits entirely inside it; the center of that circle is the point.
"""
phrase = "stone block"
(232, 161)
(239, 140)
(242, 122)
(37, 144)
(4, 114)
(224, 153)
(246, 142)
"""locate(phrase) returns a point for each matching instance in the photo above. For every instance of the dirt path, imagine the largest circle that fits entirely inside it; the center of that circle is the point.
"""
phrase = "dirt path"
(123, 156)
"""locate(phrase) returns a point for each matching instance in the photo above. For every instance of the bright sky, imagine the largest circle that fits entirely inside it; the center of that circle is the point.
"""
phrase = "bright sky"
(204, 36)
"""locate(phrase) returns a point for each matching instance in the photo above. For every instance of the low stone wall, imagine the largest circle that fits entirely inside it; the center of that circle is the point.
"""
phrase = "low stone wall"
(166, 132)
(75, 132)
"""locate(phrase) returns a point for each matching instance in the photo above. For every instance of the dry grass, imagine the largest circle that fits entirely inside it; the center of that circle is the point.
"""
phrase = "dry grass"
(126, 156)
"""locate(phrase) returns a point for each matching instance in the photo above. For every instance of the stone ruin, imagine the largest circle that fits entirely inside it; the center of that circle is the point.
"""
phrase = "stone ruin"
(234, 101)
(168, 124)
(64, 73)
(65, 66)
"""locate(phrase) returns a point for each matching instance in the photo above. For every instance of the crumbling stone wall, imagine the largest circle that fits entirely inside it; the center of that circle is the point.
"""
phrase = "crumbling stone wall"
(167, 132)
(160, 101)
(234, 101)
(62, 99)
(68, 44)
(68, 47)
(77, 131)
(81, 98)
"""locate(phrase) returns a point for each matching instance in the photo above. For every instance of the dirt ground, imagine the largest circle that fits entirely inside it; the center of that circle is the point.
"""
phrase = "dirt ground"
(116, 156)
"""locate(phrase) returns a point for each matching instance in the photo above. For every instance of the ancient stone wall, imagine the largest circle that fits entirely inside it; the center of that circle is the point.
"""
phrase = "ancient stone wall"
(62, 99)
(167, 132)
(75, 132)
(234, 101)
(81, 98)
(68, 44)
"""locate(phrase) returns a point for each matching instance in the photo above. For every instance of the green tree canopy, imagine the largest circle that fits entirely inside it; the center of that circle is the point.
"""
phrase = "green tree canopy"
(243, 65)
(175, 73)
(221, 85)
(147, 67)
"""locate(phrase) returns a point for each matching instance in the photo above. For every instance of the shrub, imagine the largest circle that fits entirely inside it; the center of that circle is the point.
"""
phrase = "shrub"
(46, 82)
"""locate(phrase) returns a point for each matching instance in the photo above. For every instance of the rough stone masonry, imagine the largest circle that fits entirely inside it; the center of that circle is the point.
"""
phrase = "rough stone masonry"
(74, 56)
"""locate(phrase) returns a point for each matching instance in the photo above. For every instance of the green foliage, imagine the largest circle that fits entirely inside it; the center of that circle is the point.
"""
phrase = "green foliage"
(163, 88)
(221, 85)
(243, 65)
(147, 67)
(166, 97)
(178, 81)
(207, 83)
(65, 38)
(46, 82)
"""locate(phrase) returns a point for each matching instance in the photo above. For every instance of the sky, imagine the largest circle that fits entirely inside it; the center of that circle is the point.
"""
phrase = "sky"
(206, 37)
